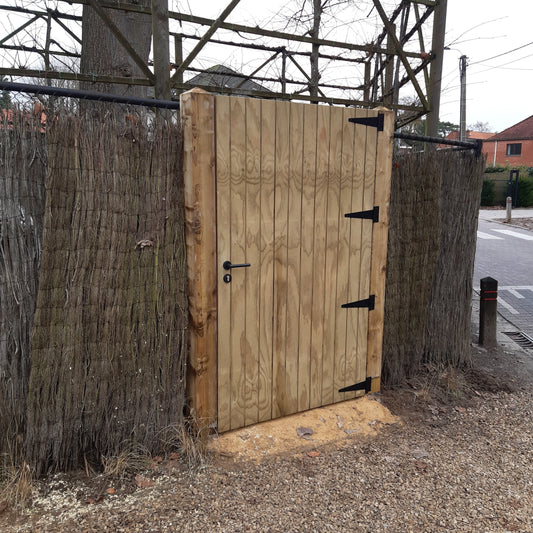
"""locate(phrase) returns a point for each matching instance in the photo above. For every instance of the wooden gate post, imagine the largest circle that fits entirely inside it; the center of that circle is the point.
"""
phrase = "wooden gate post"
(379, 249)
(198, 119)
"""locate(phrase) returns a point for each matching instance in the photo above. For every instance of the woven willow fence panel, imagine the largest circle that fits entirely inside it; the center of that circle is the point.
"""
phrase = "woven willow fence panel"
(108, 340)
(432, 244)
(22, 179)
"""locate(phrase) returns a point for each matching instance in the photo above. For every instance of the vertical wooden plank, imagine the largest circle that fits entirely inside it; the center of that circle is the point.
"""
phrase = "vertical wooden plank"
(253, 243)
(197, 113)
(266, 291)
(280, 258)
(379, 249)
(342, 347)
(222, 108)
(306, 263)
(319, 253)
(367, 227)
(238, 255)
(356, 344)
(332, 248)
(293, 256)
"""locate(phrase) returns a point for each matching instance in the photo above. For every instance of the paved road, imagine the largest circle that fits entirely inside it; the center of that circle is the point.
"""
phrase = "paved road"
(506, 253)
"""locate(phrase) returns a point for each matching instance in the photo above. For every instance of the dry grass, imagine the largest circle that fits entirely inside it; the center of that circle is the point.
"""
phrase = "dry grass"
(132, 460)
(16, 484)
(190, 440)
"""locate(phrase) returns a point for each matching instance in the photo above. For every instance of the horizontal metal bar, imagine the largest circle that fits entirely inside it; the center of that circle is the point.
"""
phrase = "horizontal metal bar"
(475, 144)
(87, 95)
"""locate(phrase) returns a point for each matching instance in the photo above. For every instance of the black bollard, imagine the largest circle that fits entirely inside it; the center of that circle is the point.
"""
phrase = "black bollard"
(488, 310)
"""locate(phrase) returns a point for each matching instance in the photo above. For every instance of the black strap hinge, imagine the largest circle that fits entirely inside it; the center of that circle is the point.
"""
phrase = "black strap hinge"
(365, 385)
(371, 214)
(374, 122)
(367, 302)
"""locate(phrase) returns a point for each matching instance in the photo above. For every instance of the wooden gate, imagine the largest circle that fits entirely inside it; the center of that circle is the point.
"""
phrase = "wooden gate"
(300, 194)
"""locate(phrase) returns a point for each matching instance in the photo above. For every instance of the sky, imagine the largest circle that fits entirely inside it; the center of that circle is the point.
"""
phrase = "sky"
(498, 88)
(496, 37)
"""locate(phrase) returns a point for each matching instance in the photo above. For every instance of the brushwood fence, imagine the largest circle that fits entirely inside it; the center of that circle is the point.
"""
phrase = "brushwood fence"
(23, 163)
(108, 340)
(432, 243)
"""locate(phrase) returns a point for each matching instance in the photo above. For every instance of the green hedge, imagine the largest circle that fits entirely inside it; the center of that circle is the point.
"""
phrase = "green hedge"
(524, 197)
(487, 193)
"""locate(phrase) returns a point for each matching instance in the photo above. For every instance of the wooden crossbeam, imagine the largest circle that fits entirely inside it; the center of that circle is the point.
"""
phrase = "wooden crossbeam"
(397, 45)
(205, 39)
(20, 28)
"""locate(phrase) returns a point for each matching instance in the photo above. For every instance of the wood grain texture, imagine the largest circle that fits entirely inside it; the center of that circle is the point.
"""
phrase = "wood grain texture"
(280, 258)
(238, 342)
(306, 251)
(331, 250)
(367, 228)
(197, 112)
(319, 254)
(266, 289)
(223, 166)
(355, 343)
(253, 256)
(379, 248)
(286, 175)
(341, 346)
(294, 233)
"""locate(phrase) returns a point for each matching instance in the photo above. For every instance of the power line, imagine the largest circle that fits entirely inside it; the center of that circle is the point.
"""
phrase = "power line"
(502, 54)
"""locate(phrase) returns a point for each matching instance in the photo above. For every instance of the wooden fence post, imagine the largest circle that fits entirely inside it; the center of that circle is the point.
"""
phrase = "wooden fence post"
(379, 249)
(198, 118)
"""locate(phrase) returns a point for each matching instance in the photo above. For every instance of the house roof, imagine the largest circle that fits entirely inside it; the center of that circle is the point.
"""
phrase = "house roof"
(521, 131)
(222, 76)
(454, 135)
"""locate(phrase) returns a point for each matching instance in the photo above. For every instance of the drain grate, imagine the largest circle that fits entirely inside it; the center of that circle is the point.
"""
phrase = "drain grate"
(523, 340)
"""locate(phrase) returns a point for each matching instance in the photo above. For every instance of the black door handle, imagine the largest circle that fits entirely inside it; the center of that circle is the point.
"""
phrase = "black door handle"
(227, 265)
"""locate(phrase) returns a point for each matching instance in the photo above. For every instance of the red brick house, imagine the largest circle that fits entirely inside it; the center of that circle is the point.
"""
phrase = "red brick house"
(454, 136)
(512, 147)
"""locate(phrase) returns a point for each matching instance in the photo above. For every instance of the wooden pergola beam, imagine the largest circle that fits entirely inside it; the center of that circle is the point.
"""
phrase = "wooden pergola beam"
(160, 43)
(20, 28)
(205, 39)
(397, 45)
(240, 28)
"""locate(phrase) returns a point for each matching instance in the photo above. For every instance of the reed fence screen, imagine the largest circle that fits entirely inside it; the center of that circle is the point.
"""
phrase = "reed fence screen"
(106, 365)
(23, 163)
(434, 207)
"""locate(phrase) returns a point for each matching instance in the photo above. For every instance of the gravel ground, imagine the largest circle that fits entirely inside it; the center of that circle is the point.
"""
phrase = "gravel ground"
(459, 461)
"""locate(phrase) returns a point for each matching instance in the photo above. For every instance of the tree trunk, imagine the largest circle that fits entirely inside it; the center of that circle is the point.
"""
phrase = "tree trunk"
(315, 33)
(103, 54)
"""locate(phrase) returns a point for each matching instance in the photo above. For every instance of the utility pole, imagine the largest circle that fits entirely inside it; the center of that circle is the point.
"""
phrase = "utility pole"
(462, 114)
(435, 75)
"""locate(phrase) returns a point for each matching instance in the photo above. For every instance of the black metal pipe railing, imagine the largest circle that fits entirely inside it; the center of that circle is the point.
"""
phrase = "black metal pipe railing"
(474, 144)
(87, 95)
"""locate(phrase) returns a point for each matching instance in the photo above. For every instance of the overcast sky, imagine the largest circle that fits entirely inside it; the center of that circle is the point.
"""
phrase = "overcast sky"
(498, 88)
